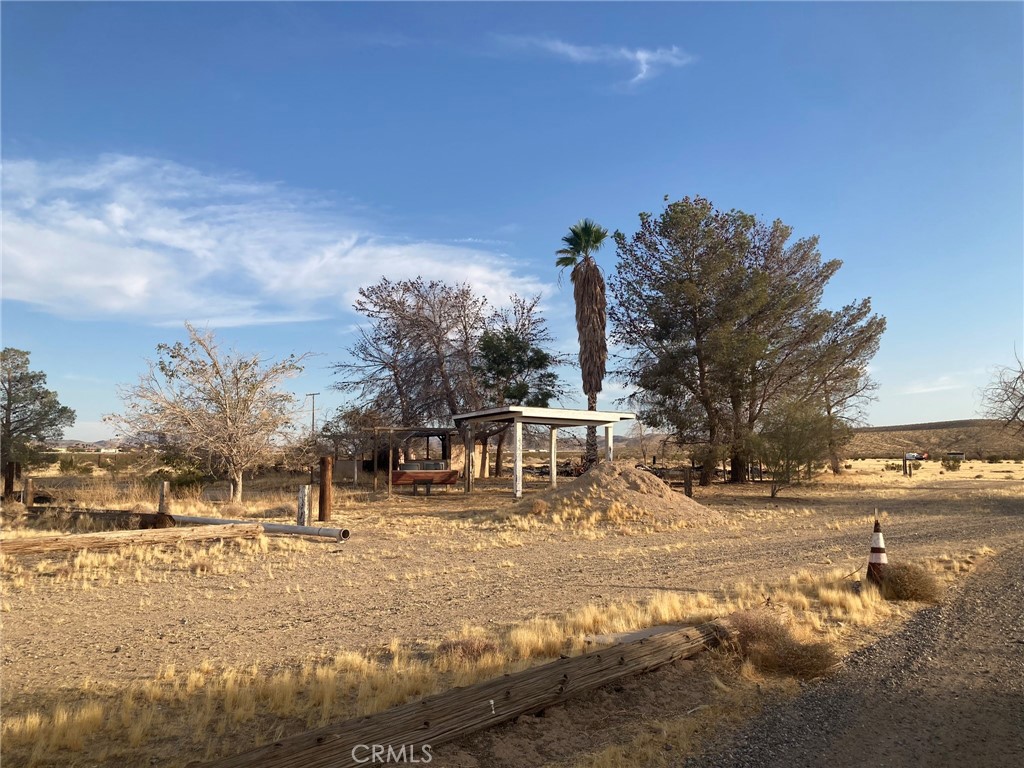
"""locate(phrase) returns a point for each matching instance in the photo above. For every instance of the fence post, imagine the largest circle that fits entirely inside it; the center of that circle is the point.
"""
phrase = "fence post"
(688, 481)
(28, 492)
(304, 500)
(326, 487)
(165, 498)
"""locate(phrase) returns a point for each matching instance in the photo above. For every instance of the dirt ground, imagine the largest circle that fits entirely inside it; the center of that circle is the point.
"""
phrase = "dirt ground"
(947, 690)
(419, 568)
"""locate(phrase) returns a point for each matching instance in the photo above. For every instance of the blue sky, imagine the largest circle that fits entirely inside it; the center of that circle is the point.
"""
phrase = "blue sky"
(247, 166)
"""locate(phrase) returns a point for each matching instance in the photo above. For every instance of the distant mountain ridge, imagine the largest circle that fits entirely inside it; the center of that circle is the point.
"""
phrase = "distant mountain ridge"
(977, 438)
(931, 425)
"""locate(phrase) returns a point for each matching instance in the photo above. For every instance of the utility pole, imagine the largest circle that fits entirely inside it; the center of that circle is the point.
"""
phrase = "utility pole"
(312, 432)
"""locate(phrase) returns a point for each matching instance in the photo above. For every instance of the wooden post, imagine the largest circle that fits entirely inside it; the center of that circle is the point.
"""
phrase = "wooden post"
(115, 539)
(904, 465)
(688, 481)
(165, 498)
(609, 442)
(303, 517)
(326, 487)
(517, 465)
(553, 458)
(28, 492)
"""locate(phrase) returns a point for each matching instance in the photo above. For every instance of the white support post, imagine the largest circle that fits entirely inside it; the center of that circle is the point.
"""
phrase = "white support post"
(304, 516)
(609, 442)
(553, 458)
(470, 468)
(391, 460)
(517, 466)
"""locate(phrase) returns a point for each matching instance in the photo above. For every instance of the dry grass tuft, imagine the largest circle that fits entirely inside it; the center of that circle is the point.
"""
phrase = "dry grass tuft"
(772, 646)
(904, 581)
(464, 649)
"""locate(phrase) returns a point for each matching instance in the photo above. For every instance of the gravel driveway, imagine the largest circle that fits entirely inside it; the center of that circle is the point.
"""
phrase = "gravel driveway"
(947, 690)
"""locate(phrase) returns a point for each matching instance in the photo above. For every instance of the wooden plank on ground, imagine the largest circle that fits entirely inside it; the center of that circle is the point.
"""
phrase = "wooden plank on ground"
(115, 539)
(456, 713)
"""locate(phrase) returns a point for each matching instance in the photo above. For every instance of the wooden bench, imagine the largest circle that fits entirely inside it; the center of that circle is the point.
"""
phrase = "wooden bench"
(426, 478)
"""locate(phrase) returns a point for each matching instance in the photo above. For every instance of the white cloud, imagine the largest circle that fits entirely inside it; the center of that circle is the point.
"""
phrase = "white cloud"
(158, 241)
(941, 384)
(646, 62)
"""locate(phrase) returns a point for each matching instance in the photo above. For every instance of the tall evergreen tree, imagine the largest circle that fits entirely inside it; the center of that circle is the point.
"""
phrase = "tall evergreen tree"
(29, 413)
(721, 314)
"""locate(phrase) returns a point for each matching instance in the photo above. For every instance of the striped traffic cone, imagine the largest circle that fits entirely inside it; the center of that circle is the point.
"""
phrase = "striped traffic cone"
(877, 559)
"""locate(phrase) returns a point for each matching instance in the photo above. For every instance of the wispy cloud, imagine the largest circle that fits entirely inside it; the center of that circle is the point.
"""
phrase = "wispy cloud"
(941, 384)
(146, 238)
(646, 62)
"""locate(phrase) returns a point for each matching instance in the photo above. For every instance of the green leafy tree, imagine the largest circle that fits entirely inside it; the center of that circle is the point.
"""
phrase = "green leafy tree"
(30, 414)
(224, 408)
(513, 367)
(589, 293)
(792, 438)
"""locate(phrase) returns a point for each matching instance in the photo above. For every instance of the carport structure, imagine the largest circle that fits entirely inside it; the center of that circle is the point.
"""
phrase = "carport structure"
(519, 415)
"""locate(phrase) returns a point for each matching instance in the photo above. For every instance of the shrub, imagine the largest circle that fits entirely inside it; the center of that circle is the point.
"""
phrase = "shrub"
(902, 581)
(993, 459)
(466, 648)
(771, 647)
(69, 465)
(951, 464)
(894, 466)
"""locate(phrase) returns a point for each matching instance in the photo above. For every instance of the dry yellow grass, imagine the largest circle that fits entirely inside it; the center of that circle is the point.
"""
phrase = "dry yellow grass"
(208, 705)
(794, 628)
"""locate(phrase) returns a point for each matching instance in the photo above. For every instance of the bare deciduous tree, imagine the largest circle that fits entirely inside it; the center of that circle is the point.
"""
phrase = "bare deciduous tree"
(419, 361)
(227, 407)
(1003, 399)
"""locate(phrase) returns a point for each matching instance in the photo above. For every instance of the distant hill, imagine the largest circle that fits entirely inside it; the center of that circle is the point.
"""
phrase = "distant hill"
(84, 444)
(978, 438)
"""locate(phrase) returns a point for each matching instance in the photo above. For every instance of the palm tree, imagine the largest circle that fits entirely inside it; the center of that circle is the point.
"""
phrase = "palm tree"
(585, 237)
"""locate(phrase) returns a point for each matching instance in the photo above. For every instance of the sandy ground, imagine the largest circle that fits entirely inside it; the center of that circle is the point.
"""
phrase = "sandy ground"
(420, 568)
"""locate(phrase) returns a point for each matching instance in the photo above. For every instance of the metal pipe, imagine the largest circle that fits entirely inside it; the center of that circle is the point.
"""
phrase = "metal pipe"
(338, 534)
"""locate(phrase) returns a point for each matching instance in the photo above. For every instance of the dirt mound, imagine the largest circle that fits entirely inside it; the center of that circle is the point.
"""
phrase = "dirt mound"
(616, 494)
